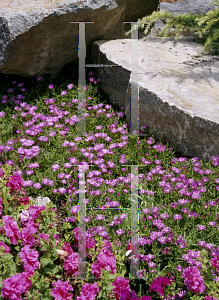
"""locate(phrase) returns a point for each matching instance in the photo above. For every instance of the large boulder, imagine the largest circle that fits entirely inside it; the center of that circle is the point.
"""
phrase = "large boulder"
(178, 90)
(36, 37)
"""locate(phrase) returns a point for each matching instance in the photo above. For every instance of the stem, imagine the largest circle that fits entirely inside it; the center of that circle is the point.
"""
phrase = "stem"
(5, 200)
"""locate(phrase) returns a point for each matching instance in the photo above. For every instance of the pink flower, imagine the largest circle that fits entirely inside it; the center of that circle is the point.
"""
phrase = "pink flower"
(88, 292)
(60, 292)
(24, 200)
(209, 298)
(30, 259)
(43, 236)
(193, 280)
(2, 173)
(16, 285)
(159, 284)
(71, 264)
(26, 235)
(1, 200)
(56, 236)
(35, 211)
(120, 285)
(146, 298)
(15, 182)
(215, 262)
(103, 262)
(67, 248)
(11, 229)
(76, 231)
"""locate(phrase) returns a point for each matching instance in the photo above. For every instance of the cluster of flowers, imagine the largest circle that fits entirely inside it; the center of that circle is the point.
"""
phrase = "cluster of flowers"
(18, 284)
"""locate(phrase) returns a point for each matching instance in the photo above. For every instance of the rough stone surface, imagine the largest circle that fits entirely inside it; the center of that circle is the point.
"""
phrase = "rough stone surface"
(184, 7)
(178, 91)
(37, 39)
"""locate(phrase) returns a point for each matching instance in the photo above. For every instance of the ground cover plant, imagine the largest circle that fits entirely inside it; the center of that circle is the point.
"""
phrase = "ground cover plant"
(206, 25)
(178, 201)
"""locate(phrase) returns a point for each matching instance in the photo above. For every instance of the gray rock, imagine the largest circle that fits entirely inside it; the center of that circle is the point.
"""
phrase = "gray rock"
(36, 37)
(178, 90)
(184, 7)
(40, 201)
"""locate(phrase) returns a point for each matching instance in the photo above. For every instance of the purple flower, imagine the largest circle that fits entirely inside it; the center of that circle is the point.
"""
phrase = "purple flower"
(126, 294)
(55, 167)
(63, 93)
(201, 227)
(120, 232)
(177, 217)
(70, 86)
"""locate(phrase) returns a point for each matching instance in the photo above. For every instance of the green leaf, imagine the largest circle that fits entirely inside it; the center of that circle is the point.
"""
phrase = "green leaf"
(209, 276)
(111, 276)
(45, 261)
(51, 269)
(100, 294)
(124, 270)
(109, 288)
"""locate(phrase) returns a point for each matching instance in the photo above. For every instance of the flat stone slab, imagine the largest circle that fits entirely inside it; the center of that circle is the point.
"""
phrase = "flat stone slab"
(178, 90)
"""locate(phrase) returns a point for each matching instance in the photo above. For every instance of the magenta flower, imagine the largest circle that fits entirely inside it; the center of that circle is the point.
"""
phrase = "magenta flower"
(51, 86)
(215, 262)
(24, 200)
(2, 173)
(104, 261)
(11, 229)
(120, 285)
(159, 284)
(35, 211)
(26, 234)
(67, 247)
(193, 280)
(88, 292)
(16, 285)
(30, 259)
(60, 292)
(1, 201)
(126, 294)
(71, 264)
(15, 183)
(209, 298)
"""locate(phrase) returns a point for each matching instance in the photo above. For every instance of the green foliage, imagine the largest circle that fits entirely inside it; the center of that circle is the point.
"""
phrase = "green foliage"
(4, 191)
(207, 25)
